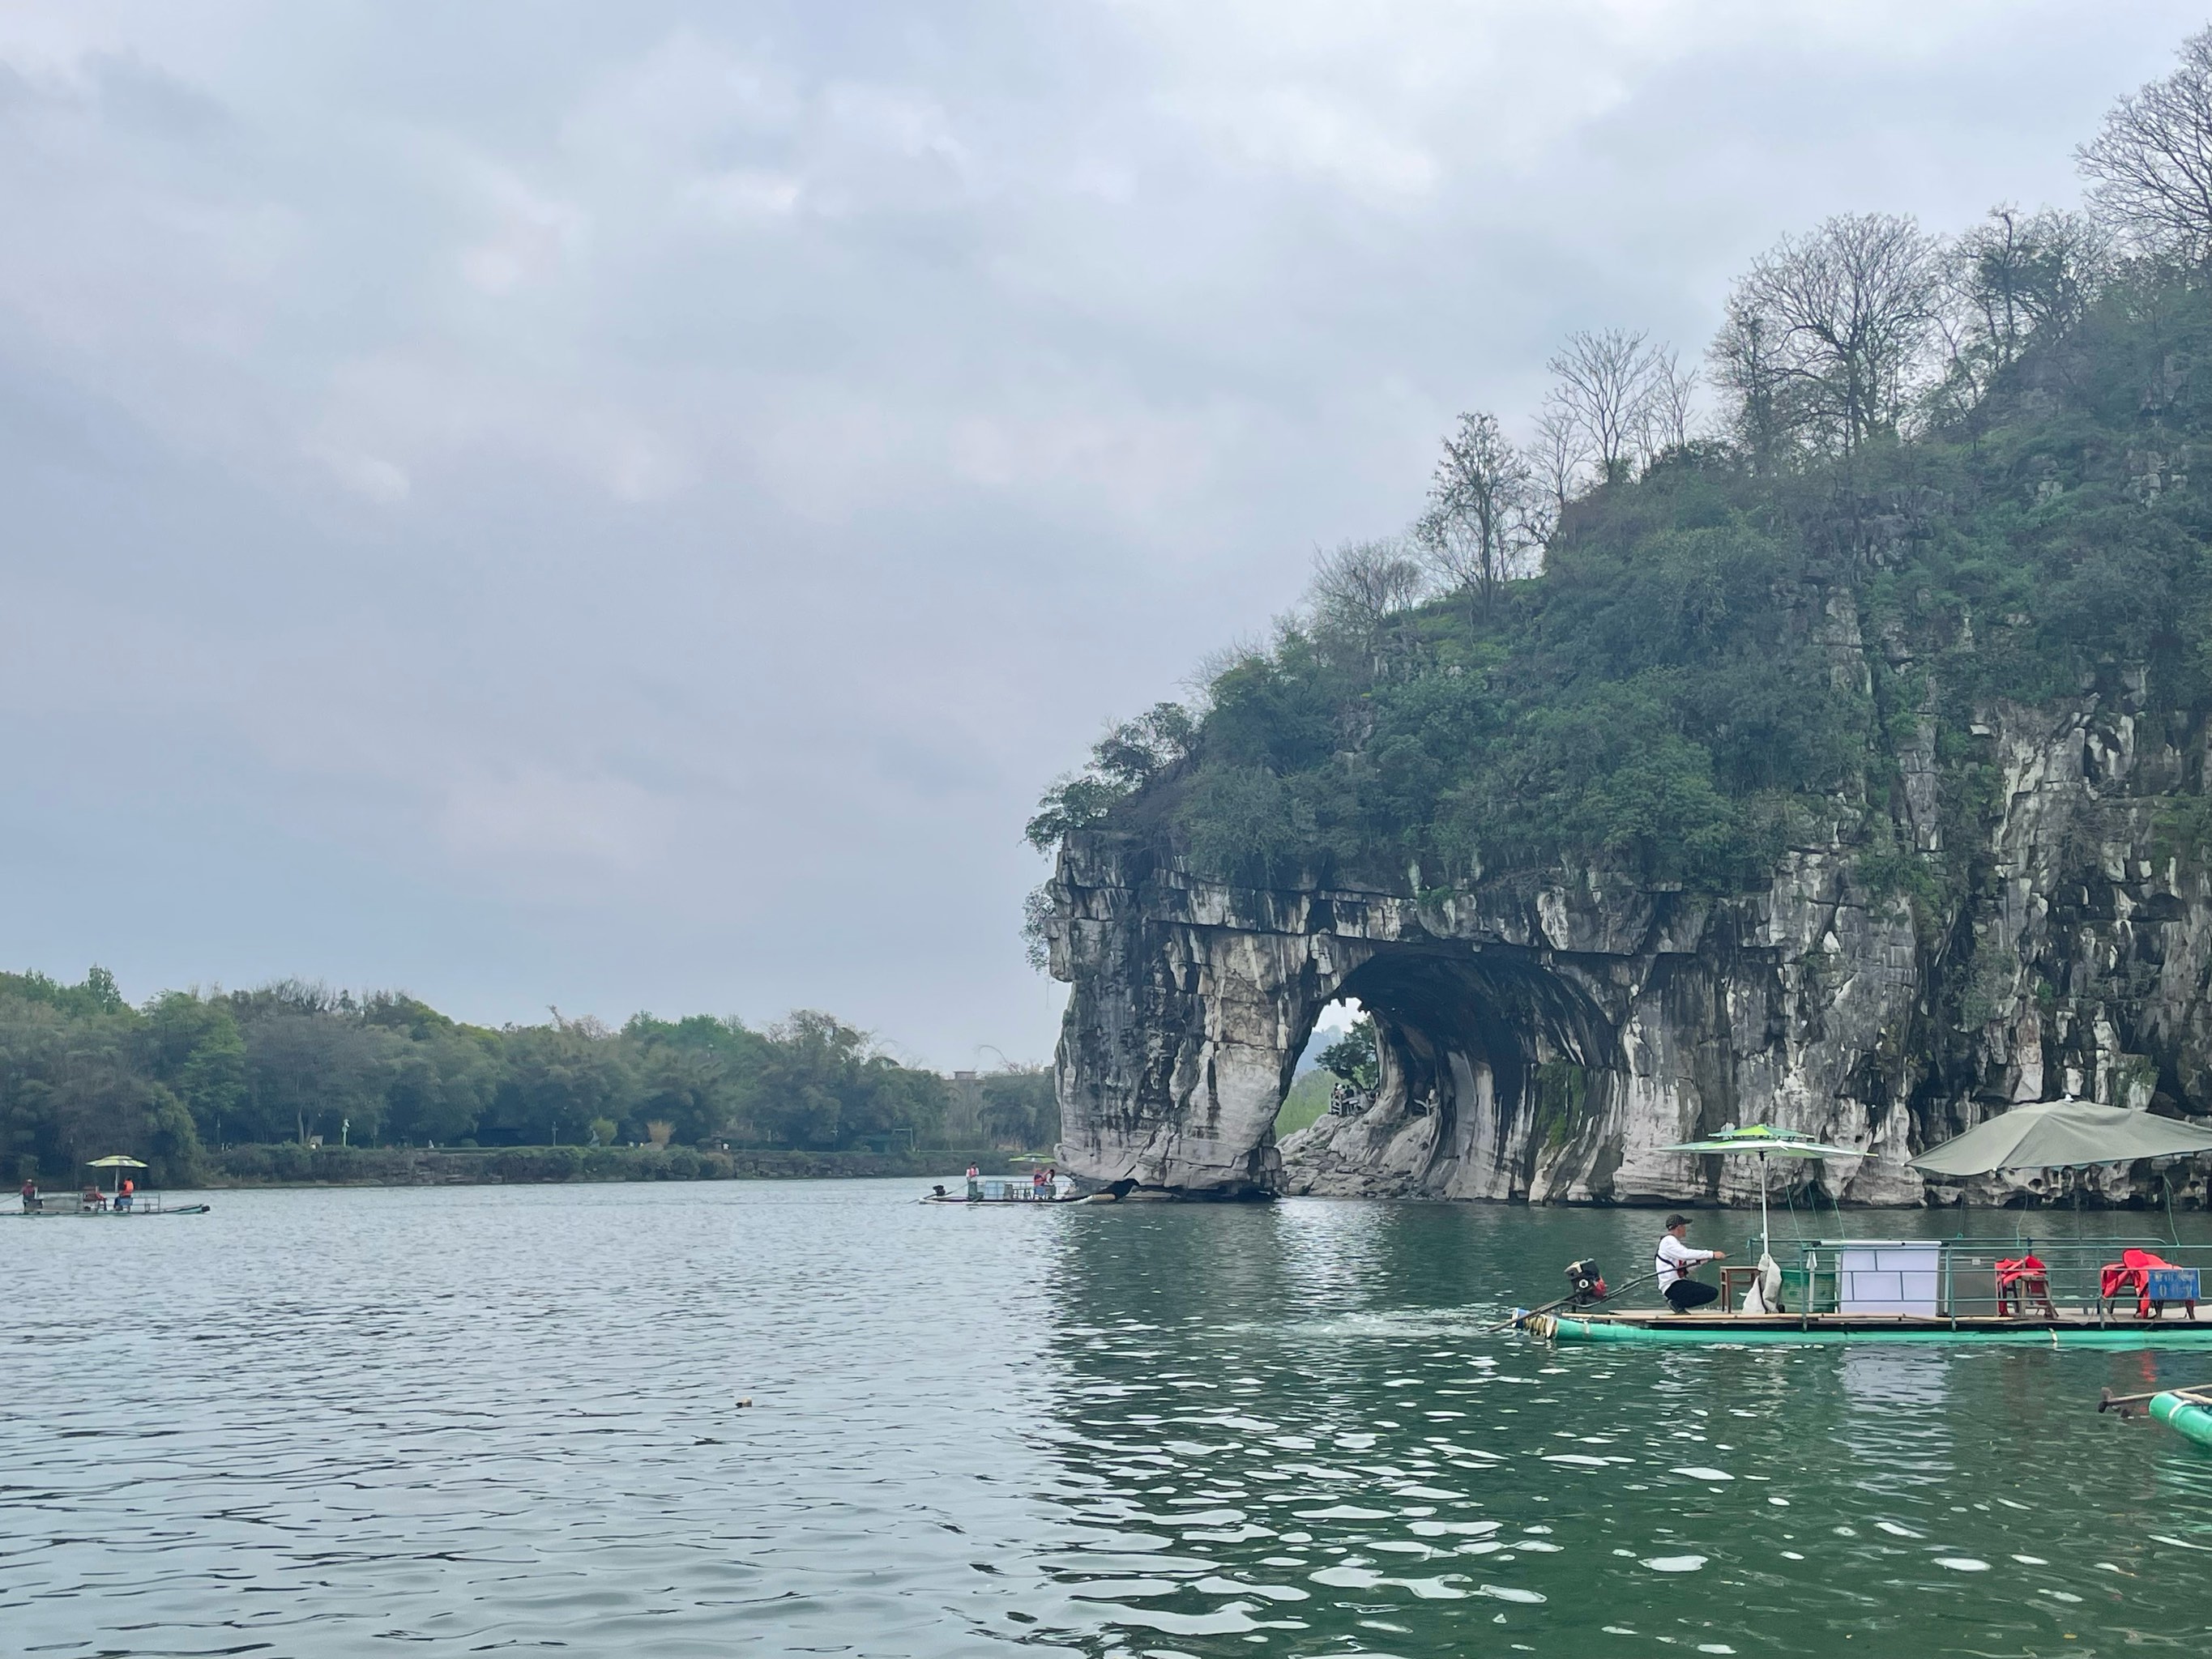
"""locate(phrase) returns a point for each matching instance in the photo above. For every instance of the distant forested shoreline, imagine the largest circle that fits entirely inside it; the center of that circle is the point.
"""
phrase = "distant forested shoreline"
(190, 1080)
(289, 1164)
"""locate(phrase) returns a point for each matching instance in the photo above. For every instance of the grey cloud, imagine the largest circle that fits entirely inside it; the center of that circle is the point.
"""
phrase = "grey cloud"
(625, 506)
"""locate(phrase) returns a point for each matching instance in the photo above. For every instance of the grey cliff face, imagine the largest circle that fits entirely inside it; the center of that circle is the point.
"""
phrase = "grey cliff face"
(1543, 1039)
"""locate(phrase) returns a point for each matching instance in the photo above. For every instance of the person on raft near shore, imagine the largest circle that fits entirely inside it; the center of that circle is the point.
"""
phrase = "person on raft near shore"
(1677, 1261)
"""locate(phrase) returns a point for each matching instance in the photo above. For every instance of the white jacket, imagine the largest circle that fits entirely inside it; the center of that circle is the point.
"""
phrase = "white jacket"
(1675, 1260)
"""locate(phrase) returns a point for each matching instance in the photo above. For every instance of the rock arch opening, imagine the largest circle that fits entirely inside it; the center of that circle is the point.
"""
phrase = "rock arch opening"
(1336, 1070)
(1496, 1074)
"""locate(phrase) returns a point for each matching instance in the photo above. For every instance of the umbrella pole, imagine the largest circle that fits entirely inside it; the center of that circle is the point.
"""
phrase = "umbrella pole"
(1766, 1240)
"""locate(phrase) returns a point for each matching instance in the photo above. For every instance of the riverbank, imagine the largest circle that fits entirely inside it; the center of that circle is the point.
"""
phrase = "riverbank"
(288, 1165)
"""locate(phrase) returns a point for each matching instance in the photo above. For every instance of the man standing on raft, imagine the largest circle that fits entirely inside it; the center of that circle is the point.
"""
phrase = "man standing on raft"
(1675, 1263)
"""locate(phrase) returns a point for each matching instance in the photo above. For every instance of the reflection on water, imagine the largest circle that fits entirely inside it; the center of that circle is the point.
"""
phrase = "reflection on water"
(1355, 1465)
(1895, 1417)
(341, 1422)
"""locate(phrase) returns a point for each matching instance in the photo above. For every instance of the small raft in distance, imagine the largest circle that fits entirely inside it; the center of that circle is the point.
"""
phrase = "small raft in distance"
(50, 1205)
(1017, 1189)
(120, 1202)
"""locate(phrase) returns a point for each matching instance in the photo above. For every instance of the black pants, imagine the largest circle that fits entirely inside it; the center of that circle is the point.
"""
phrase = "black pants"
(1685, 1294)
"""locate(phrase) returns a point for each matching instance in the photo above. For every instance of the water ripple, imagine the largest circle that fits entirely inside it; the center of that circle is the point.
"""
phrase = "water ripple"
(329, 1423)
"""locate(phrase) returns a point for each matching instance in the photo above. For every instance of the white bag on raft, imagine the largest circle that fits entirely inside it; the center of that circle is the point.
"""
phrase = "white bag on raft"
(1764, 1294)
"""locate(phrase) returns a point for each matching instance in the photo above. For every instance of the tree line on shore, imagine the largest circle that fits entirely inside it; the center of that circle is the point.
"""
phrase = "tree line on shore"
(83, 1072)
(1606, 647)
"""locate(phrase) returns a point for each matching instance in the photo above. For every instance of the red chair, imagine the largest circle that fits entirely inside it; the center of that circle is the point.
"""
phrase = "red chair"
(2132, 1275)
(2020, 1280)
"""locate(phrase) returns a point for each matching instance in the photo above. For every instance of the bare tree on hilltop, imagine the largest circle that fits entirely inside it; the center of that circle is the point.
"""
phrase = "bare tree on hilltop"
(2014, 278)
(1667, 405)
(1829, 331)
(1559, 458)
(2021, 275)
(1359, 587)
(1749, 369)
(1607, 383)
(1485, 515)
(2151, 168)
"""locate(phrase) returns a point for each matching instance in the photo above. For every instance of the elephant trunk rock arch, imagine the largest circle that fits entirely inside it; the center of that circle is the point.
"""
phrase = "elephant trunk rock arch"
(1545, 1038)
(1536, 1043)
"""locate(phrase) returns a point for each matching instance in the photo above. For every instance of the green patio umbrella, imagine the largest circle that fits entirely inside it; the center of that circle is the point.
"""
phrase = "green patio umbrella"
(2062, 1135)
(1762, 1141)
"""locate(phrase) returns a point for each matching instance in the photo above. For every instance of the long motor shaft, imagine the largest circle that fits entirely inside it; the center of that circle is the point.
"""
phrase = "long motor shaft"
(2111, 1400)
(1552, 1307)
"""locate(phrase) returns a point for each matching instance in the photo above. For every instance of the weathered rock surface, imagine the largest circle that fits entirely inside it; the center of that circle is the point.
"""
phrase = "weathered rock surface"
(1543, 1040)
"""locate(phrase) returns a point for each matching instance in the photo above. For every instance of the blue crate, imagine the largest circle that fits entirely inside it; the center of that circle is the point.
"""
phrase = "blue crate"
(2169, 1284)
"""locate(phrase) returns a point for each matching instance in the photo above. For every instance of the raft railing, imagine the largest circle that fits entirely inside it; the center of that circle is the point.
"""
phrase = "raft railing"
(1007, 1190)
(67, 1203)
(1964, 1275)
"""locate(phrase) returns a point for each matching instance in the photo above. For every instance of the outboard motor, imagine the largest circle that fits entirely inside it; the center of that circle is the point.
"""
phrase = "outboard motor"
(1586, 1279)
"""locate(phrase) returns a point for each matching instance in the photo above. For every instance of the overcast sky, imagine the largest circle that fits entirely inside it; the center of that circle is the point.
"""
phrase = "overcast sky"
(624, 506)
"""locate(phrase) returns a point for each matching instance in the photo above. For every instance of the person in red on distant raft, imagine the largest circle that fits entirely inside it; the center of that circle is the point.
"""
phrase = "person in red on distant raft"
(1677, 1261)
(123, 1199)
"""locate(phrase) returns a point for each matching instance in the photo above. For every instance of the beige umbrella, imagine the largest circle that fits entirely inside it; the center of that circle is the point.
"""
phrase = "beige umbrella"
(2062, 1135)
(118, 1162)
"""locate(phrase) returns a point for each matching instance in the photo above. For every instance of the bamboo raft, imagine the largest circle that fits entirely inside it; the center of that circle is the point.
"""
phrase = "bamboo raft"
(2072, 1328)
(2101, 1293)
(996, 1189)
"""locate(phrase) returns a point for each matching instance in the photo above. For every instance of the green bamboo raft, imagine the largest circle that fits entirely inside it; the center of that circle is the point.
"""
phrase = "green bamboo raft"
(1676, 1330)
(2188, 1415)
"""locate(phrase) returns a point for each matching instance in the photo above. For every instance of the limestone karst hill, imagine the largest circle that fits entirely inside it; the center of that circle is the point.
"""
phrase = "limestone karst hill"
(1819, 775)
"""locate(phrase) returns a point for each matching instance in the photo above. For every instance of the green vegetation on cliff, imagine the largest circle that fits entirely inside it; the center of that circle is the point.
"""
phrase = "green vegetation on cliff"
(83, 1073)
(1945, 475)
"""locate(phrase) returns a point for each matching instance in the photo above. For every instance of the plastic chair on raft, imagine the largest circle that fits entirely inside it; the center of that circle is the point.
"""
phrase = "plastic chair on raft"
(2020, 1280)
(2152, 1279)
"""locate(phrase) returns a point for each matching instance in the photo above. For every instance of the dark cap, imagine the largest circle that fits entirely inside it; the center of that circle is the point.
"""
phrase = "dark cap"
(1675, 1221)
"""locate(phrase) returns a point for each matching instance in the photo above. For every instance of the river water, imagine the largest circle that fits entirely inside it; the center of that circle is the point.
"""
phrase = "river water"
(467, 1420)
